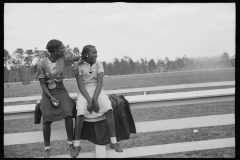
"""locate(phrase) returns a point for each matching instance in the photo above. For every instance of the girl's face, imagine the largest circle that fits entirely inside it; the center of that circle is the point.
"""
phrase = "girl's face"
(60, 51)
(92, 55)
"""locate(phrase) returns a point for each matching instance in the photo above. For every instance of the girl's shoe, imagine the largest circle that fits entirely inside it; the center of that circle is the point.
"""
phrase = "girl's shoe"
(76, 152)
(47, 153)
(70, 148)
(116, 146)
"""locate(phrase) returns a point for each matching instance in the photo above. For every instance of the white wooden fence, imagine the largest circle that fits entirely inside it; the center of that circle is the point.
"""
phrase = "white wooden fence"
(144, 101)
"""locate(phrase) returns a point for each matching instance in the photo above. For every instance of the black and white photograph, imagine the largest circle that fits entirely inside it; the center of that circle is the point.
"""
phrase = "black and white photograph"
(119, 79)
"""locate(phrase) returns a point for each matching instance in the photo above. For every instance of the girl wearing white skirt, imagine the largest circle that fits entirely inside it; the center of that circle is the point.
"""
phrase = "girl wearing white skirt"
(92, 102)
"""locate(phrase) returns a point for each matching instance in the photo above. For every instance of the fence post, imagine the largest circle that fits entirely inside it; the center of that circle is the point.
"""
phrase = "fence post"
(101, 151)
(144, 93)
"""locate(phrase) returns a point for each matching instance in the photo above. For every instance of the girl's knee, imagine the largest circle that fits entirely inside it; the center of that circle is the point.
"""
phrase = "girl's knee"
(80, 118)
(47, 124)
(68, 117)
(109, 112)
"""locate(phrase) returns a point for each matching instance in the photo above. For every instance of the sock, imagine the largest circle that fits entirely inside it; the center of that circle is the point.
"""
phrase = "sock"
(113, 139)
(48, 147)
(76, 143)
(70, 142)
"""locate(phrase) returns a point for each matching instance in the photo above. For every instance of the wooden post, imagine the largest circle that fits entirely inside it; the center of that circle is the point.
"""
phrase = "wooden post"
(101, 151)
(144, 93)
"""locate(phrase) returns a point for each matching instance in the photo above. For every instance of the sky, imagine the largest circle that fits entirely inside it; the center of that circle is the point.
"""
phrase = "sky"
(137, 30)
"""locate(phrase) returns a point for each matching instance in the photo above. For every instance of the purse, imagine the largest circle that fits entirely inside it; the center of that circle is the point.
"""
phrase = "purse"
(37, 114)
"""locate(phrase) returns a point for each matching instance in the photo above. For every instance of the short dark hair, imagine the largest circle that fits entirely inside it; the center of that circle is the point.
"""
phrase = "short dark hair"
(54, 43)
(86, 49)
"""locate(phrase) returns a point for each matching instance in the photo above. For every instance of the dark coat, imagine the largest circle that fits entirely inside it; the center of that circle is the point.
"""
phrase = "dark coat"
(98, 133)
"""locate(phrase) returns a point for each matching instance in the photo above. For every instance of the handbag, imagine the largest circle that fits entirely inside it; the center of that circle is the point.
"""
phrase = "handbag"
(37, 114)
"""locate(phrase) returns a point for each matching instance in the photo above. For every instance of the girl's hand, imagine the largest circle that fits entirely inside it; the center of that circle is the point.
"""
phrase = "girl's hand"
(76, 66)
(80, 61)
(95, 105)
(54, 102)
(75, 70)
(90, 107)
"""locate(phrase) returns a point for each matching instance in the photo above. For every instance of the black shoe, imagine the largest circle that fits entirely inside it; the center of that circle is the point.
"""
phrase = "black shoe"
(47, 153)
(76, 152)
(116, 146)
(70, 148)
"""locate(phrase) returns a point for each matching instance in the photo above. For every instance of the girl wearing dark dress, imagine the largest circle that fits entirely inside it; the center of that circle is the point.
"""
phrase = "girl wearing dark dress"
(56, 104)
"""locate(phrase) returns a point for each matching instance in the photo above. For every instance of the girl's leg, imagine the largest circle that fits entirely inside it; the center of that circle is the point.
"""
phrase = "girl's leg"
(111, 123)
(78, 131)
(46, 137)
(69, 129)
(111, 126)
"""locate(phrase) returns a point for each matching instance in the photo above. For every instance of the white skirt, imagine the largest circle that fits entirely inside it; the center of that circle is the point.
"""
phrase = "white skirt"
(103, 102)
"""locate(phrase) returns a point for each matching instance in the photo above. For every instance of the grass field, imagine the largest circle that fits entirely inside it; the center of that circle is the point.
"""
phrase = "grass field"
(132, 82)
(150, 114)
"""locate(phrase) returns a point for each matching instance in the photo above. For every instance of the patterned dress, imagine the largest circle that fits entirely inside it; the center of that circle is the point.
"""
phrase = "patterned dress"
(53, 74)
(89, 74)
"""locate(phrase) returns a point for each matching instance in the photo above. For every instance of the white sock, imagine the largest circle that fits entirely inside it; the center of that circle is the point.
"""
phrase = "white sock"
(113, 139)
(70, 142)
(48, 147)
(76, 143)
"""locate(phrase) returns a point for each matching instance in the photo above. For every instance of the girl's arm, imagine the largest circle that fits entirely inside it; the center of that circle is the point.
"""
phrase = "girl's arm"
(76, 65)
(99, 85)
(45, 90)
(97, 91)
(76, 58)
(84, 92)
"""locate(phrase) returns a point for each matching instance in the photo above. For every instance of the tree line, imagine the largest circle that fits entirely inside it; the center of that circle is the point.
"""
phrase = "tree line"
(20, 66)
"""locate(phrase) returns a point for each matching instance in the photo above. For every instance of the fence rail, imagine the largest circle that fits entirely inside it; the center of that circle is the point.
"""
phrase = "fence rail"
(137, 90)
(144, 101)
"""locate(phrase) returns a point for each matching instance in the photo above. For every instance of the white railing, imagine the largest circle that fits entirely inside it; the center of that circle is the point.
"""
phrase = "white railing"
(137, 90)
(144, 101)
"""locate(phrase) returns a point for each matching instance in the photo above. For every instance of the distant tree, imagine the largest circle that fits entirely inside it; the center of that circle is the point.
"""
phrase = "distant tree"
(105, 68)
(76, 51)
(233, 61)
(29, 58)
(37, 54)
(68, 47)
(226, 59)
(17, 61)
(152, 65)
(160, 65)
(18, 68)
(117, 66)
(110, 68)
(168, 64)
(6, 75)
(132, 66)
(7, 58)
(144, 65)
(177, 64)
(138, 68)
(124, 66)
(225, 56)
(129, 65)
